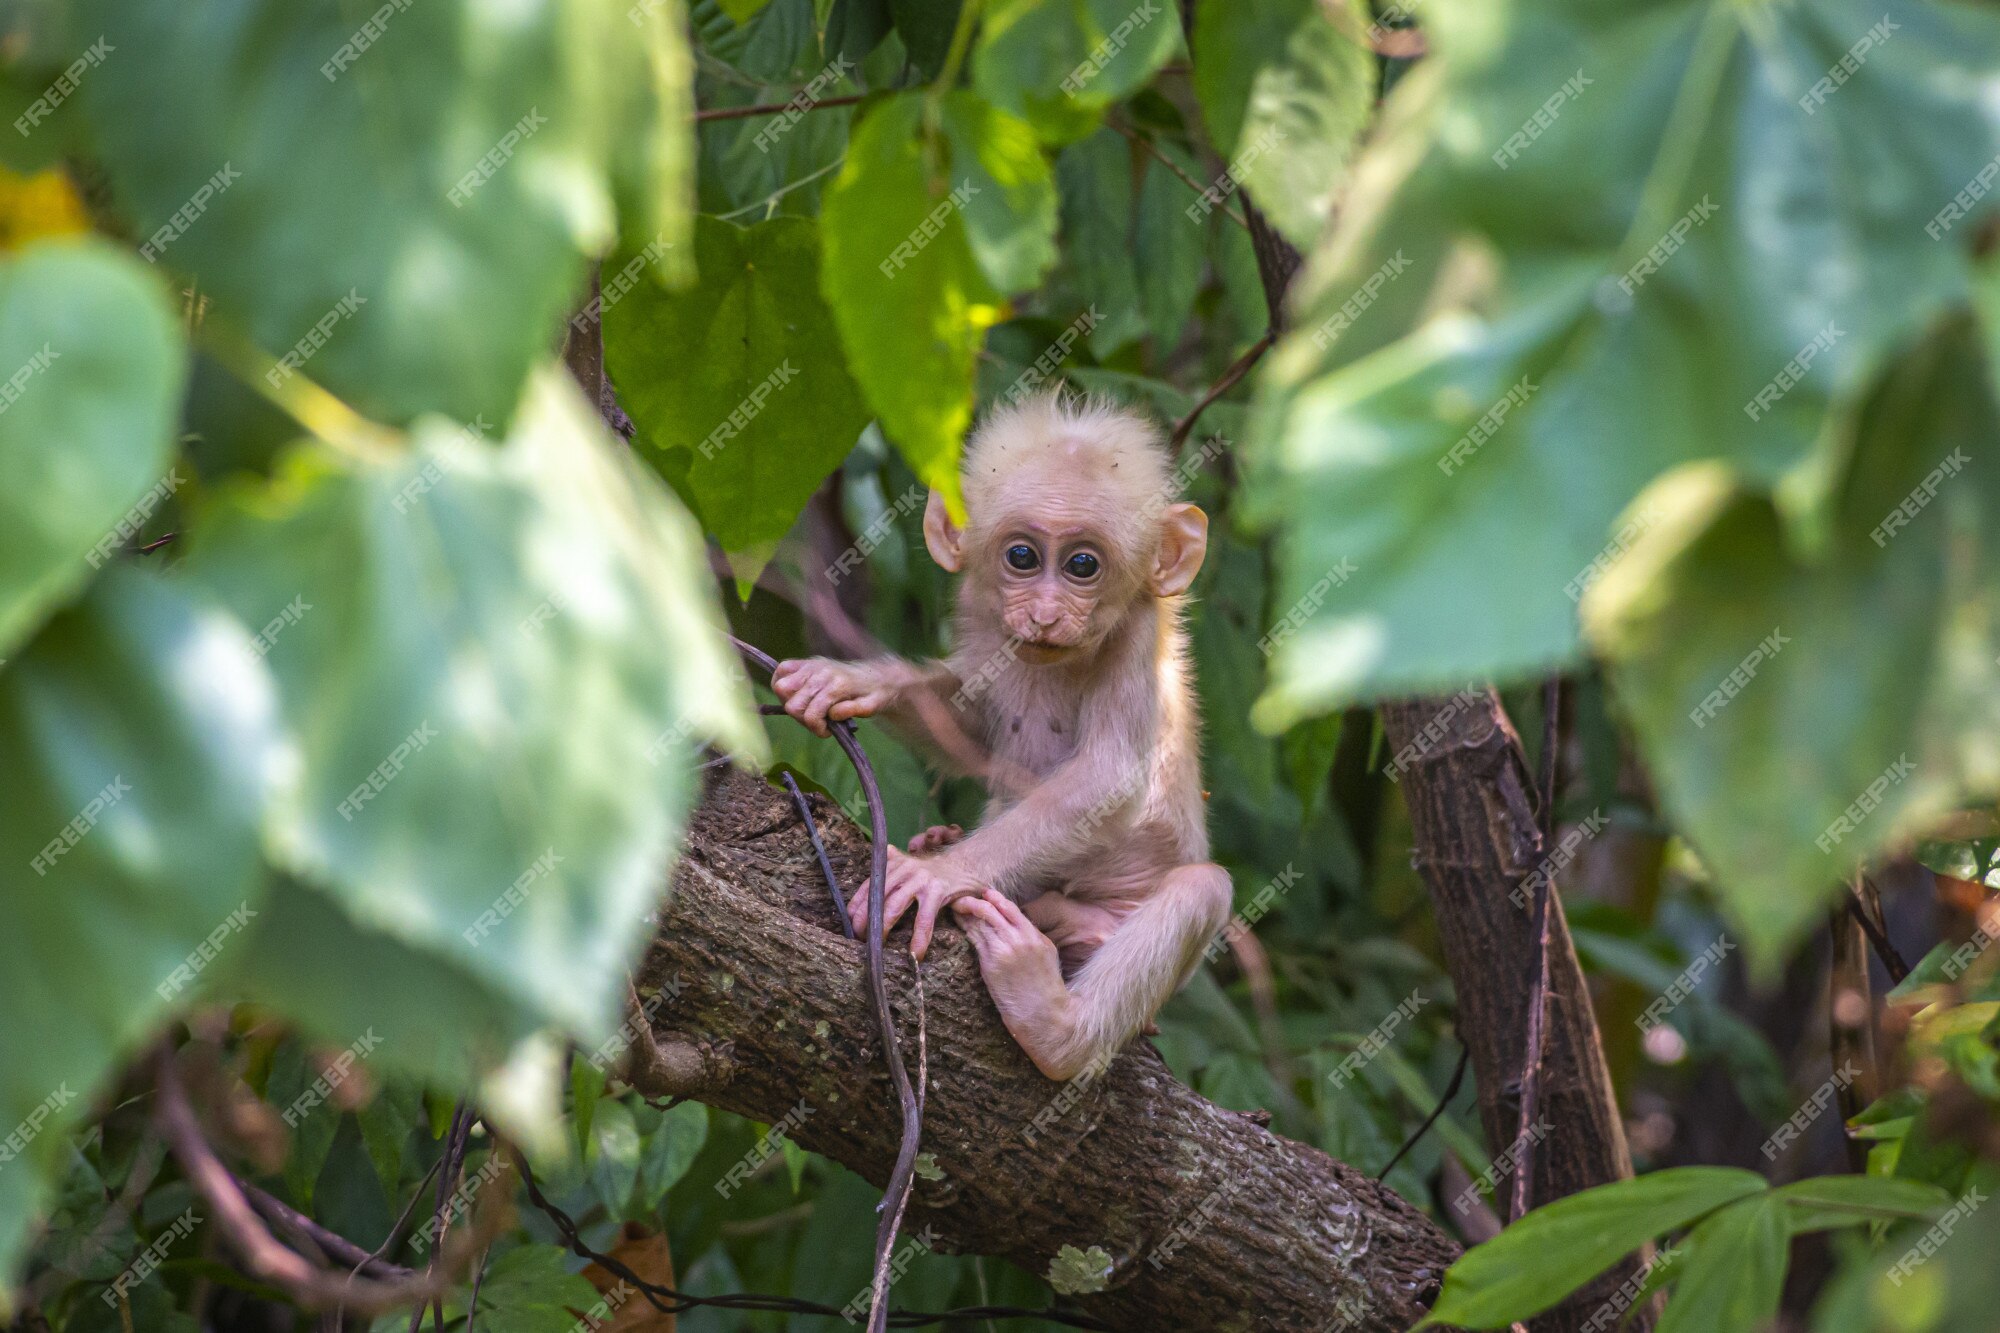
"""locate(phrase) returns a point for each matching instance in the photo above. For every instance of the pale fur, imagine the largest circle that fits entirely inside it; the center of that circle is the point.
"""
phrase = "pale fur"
(1104, 835)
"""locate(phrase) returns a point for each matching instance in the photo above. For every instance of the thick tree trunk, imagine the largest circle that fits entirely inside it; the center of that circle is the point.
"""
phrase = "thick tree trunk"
(1194, 1217)
(1472, 817)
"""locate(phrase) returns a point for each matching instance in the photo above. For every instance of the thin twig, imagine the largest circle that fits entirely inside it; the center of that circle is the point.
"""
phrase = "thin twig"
(1146, 142)
(902, 1177)
(263, 1256)
(335, 1245)
(667, 1300)
(1538, 997)
(1237, 370)
(1877, 931)
(453, 1159)
(773, 108)
(819, 850)
(1450, 1091)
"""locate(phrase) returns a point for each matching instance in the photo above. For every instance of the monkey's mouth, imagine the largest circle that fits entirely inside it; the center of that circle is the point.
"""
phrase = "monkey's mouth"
(1041, 652)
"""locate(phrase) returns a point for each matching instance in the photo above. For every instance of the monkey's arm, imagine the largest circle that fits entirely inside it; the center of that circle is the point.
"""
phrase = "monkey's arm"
(1060, 818)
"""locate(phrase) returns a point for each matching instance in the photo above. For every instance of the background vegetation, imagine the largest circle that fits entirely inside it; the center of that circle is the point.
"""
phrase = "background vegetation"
(1650, 344)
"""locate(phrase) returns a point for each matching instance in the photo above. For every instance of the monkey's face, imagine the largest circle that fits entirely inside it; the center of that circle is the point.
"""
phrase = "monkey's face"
(1060, 587)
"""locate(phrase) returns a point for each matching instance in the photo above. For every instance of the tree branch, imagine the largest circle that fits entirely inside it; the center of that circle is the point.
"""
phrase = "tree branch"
(1203, 1219)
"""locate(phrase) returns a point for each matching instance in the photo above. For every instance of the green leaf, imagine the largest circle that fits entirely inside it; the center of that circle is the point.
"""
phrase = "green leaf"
(926, 27)
(90, 372)
(1686, 143)
(1170, 248)
(670, 1149)
(1801, 711)
(137, 732)
(1286, 87)
(742, 10)
(766, 409)
(1834, 1201)
(1733, 1272)
(526, 1290)
(1010, 207)
(906, 289)
(1095, 178)
(1059, 63)
(613, 1155)
(493, 663)
(447, 173)
(1560, 1246)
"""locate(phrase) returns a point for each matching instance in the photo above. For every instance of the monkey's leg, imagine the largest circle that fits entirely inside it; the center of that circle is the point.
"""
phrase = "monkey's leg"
(1155, 948)
(1079, 929)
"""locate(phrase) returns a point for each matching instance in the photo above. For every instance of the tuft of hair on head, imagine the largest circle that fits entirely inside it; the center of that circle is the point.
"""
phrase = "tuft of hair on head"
(1068, 444)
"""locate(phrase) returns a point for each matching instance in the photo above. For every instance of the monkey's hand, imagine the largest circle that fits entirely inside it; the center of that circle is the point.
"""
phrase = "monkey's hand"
(931, 882)
(818, 690)
(1024, 977)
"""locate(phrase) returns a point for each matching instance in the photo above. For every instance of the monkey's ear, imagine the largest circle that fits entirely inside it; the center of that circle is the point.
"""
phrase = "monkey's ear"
(1183, 544)
(942, 535)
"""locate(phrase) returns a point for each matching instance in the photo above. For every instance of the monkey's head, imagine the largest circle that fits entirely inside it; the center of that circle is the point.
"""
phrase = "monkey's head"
(1071, 522)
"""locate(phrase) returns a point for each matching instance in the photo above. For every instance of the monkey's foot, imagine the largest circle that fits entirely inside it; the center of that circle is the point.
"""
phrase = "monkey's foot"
(936, 836)
(1024, 975)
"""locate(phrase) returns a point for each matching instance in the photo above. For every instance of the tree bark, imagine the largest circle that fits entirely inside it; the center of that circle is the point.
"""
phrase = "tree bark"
(1472, 818)
(1193, 1216)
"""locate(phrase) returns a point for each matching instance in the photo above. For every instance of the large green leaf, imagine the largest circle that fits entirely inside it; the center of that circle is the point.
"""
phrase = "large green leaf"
(403, 208)
(493, 663)
(1833, 1201)
(1096, 181)
(90, 372)
(740, 376)
(918, 230)
(1509, 240)
(1733, 1271)
(1059, 63)
(137, 732)
(1557, 1248)
(1801, 711)
(1286, 87)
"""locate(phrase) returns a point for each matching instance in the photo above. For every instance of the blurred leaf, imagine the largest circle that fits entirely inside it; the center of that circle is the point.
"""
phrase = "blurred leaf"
(1059, 63)
(90, 371)
(767, 409)
(1560, 1246)
(492, 743)
(926, 27)
(1693, 151)
(1286, 87)
(1800, 713)
(137, 734)
(416, 221)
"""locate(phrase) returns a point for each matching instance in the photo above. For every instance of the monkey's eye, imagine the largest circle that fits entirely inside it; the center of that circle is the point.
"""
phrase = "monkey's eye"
(1082, 565)
(1022, 557)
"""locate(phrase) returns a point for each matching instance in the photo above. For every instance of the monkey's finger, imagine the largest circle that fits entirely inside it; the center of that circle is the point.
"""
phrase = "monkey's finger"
(927, 914)
(864, 705)
(978, 909)
(801, 700)
(896, 904)
(1009, 910)
(824, 698)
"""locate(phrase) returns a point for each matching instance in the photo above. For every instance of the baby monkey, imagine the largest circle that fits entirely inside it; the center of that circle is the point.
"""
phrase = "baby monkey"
(1086, 889)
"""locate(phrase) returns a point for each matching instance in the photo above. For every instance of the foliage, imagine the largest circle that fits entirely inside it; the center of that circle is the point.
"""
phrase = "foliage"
(352, 673)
